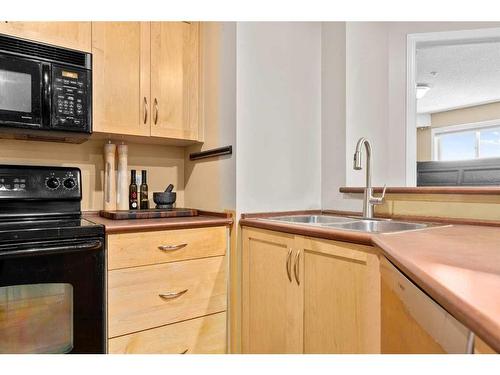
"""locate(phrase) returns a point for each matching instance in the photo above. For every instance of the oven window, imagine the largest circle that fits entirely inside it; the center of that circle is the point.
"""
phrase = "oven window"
(36, 318)
(15, 91)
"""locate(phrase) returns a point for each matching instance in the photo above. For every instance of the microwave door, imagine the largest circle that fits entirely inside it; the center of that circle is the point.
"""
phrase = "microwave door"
(20, 92)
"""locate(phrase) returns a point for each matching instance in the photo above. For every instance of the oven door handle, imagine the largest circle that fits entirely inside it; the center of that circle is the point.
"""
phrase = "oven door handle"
(82, 246)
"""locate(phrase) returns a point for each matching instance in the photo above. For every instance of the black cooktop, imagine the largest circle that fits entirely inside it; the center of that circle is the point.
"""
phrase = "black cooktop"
(40, 229)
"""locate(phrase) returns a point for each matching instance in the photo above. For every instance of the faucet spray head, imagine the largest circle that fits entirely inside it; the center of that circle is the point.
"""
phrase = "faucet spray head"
(357, 160)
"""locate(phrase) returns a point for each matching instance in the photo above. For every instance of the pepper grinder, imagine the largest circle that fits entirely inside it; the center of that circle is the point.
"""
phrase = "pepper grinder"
(122, 188)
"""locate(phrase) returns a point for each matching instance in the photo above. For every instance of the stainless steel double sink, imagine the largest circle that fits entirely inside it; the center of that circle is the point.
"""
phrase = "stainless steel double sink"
(350, 223)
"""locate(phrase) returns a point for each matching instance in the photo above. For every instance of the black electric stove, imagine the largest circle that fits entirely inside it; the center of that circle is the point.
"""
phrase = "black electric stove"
(51, 264)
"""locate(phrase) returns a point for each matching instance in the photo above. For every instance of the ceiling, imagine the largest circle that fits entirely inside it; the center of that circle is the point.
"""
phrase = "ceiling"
(467, 75)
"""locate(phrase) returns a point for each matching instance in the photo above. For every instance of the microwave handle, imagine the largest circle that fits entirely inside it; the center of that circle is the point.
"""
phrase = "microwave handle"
(46, 95)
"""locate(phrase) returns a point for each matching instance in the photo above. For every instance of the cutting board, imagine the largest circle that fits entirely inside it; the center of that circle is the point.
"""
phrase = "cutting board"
(152, 213)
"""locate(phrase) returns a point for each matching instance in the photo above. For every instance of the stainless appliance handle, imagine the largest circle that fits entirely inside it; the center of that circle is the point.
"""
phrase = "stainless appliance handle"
(46, 95)
(172, 295)
(471, 338)
(172, 247)
(90, 245)
(145, 110)
(289, 265)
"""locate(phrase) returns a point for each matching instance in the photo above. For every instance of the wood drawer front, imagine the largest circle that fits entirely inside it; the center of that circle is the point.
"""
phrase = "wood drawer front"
(205, 335)
(142, 248)
(134, 303)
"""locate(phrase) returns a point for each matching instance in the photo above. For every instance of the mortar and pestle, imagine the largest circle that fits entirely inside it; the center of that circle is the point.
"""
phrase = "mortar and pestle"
(165, 199)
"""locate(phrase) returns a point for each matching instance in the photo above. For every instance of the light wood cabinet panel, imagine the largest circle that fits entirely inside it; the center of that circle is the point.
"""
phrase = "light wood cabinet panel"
(75, 35)
(143, 248)
(205, 335)
(341, 297)
(480, 347)
(121, 77)
(135, 304)
(272, 312)
(330, 305)
(175, 79)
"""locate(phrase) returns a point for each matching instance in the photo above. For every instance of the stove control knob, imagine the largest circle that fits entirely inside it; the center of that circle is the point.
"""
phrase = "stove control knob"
(52, 183)
(69, 183)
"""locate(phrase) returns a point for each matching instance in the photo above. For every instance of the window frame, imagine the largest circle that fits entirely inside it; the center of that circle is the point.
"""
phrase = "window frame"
(471, 127)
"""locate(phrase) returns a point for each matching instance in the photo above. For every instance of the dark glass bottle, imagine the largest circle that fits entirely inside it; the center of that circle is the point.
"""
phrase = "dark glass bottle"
(132, 192)
(144, 192)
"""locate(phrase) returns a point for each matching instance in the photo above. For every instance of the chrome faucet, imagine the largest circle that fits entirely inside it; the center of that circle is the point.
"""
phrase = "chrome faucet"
(368, 199)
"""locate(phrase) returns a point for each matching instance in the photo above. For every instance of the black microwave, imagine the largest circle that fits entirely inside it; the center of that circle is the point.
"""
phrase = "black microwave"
(44, 88)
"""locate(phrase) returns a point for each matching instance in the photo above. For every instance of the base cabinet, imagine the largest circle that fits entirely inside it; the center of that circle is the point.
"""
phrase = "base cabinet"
(272, 315)
(341, 297)
(205, 335)
(167, 291)
(305, 295)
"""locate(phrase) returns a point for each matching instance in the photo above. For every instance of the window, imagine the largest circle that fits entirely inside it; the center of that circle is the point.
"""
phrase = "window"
(466, 142)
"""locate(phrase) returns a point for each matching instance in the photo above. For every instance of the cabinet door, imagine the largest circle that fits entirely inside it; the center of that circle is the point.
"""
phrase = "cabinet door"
(341, 297)
(75, 35)
(121, 77)
(271, 298)
(175, 79)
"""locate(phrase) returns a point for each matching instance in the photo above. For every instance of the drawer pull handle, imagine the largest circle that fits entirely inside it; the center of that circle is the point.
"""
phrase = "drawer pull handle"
(172, 295)
(185, 351)
(172, 247)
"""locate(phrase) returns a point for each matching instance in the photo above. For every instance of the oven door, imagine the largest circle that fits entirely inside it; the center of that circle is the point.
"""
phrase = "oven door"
(20, 92)
(52, 297)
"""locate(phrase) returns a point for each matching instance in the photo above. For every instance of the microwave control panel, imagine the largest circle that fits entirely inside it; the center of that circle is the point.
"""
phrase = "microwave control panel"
(70, 98)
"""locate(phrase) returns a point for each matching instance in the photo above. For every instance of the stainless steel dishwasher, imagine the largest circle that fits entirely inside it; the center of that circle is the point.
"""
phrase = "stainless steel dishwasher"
(413, 323)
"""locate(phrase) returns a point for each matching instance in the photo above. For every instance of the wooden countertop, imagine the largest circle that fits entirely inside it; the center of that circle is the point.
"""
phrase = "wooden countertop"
(458, 266)
(205, 219)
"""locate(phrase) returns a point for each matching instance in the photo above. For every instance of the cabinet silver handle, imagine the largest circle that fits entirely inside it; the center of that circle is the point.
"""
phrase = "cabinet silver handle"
(471, 338)
(156, 111)
(185, 351)
(172, 247)
(289, 265)
(296, 267)
(172, 295)
(145, 110)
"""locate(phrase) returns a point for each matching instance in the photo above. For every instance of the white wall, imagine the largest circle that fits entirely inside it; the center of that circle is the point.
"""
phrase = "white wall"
(334, 157)
(366, 98)
(375, 91)
(278, 154)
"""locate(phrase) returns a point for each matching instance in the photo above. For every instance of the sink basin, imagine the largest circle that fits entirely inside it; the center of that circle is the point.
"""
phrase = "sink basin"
(311, 219)
(349, 223)
(378, 226)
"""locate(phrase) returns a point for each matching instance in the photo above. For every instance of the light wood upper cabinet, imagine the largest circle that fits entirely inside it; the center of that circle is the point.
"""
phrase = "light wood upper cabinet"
(75, 35)
(175, 79)
(121, 77)
(341, 297)
(271, 315)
